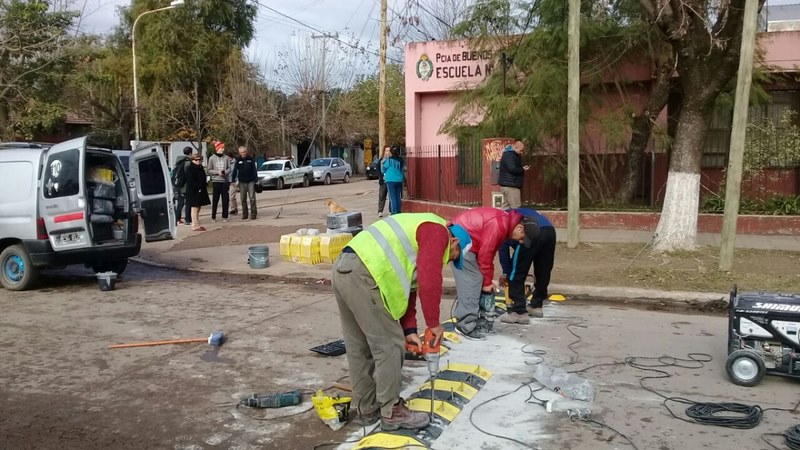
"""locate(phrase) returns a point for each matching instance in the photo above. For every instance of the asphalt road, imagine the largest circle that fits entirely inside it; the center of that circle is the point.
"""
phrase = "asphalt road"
(62, 387)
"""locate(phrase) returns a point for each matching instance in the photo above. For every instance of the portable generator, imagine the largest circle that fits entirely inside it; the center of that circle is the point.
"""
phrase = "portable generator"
(762, 336)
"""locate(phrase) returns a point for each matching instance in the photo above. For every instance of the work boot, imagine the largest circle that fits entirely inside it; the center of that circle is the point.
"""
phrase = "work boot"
(366, 419)
(474, 335)
(244, 216)
(513, 317)
(402, 417)
(535, 311)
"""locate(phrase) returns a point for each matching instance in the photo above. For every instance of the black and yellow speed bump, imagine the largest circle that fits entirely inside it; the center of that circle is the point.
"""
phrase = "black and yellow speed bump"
(381, 440)
(455, 386)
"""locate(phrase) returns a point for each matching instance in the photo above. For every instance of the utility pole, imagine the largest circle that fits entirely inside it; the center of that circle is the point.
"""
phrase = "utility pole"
(573, 144)
(382, 82)
(324, 38)
(739, 129)
(197, 118)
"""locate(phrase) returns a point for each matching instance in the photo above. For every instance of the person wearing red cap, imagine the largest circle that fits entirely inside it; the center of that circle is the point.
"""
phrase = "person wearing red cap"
(219, 167)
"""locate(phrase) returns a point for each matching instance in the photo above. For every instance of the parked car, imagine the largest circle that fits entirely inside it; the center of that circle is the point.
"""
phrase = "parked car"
(278, 173)
(73, 204)
(374, 170)
(331, 169)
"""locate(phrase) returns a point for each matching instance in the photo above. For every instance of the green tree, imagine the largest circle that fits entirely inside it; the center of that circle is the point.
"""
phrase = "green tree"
(706, 36)
(101, 88)
(34, 50)
(365, 99)
(184, 51)
(525, 96)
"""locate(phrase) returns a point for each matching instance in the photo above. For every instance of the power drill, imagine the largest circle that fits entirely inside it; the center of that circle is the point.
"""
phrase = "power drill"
(280, 400)
(430, 349)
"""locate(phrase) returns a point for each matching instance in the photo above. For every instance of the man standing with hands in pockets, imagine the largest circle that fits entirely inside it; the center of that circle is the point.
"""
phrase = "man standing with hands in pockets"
(512, 175)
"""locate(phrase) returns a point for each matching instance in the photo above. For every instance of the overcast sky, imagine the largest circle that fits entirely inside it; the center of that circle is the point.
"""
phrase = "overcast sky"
(356, 21)
(352, 19)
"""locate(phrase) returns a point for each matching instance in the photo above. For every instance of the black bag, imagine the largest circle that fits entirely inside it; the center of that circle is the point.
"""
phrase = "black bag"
(178, 175)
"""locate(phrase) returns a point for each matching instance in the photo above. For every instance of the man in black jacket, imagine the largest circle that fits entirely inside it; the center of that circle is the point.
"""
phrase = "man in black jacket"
(512, 175)
(245, 172)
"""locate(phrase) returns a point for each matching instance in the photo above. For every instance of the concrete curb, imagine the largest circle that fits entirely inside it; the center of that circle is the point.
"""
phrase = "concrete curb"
(603, 293)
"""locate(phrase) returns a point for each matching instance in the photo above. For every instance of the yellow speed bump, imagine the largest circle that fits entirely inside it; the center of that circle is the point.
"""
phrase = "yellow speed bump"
(459, 387)
(478, 371)
(452, 337)
(556, 298)
(442, 409)
(386, 440)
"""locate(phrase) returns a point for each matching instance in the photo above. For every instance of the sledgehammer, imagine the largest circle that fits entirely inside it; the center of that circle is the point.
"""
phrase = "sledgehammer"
(216, 339)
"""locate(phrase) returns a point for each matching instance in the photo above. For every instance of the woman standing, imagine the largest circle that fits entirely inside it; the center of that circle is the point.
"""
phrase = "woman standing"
(196, 190)
(392, 169)
(382, 189)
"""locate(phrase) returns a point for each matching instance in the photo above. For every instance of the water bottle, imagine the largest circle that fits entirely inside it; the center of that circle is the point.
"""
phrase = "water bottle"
(566, 384)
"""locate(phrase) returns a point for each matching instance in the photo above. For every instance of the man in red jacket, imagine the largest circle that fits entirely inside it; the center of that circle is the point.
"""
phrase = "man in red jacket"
(485, 229)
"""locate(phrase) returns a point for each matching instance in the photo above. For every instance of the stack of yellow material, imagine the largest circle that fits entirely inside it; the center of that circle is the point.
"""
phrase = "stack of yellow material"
(331, 245)
(286, 252)
(309, 250)
(294, 247)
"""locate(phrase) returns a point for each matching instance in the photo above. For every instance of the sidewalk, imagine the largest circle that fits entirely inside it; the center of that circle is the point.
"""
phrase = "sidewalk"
(304, 209)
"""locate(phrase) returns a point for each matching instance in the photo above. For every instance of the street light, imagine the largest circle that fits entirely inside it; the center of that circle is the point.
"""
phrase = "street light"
(138, 125)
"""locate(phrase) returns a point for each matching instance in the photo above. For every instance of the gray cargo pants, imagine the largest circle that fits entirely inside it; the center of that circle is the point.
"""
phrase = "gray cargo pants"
(469, 282)
(374, 341)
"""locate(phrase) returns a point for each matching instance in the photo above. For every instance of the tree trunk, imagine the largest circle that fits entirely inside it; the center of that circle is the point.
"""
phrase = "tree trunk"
(4, 118)
(641, 129)
(677, 227)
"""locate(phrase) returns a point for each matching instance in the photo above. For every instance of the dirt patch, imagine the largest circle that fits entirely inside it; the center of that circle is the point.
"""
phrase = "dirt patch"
(632, 265)
(240, 235)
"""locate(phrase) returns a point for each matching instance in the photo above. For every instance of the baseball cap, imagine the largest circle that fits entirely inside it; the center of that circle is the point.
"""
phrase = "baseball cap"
(531, 227)
(464, 242)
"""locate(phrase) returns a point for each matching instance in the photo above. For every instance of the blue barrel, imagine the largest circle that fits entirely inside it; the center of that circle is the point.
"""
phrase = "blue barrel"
(258, 256)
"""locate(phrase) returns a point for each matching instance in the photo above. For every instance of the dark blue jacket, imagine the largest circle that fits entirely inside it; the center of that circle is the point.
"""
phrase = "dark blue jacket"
(507, 262)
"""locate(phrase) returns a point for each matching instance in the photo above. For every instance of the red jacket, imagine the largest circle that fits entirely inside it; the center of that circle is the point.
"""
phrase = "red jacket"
(488, 228)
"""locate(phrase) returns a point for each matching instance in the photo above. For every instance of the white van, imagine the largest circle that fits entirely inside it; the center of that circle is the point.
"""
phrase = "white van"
(73, 204)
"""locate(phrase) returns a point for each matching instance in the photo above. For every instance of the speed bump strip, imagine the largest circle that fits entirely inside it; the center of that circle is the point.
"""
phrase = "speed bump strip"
(386, 440)
(454, 387)
(460, 388)
(468, 368)
(451, 397)
(452, 337)
(442, 409)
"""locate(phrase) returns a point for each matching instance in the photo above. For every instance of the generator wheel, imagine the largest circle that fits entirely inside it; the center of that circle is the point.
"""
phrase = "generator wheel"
(745, 367)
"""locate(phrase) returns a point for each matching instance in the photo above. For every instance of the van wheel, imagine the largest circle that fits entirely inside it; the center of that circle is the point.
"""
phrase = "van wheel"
(18, 274)
(111, 266)
(279, 184)
(306, 181)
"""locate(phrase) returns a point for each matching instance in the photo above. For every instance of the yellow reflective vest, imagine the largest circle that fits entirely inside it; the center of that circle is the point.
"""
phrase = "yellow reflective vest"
(388, 248)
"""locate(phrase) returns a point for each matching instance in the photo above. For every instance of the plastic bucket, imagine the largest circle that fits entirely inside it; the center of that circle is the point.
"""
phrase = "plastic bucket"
(258, 256)
(106, 280)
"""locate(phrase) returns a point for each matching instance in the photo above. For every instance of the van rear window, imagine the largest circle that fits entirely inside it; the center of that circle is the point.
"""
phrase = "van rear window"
(151, 177)
(62, 174)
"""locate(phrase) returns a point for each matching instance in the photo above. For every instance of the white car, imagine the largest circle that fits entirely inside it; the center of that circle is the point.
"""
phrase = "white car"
(331, 169)
(278, 173)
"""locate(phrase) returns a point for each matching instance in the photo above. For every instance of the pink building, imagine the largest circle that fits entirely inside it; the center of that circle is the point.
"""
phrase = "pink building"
(435, 70)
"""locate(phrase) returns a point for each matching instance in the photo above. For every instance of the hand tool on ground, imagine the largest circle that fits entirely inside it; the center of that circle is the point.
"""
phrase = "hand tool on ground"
(216, 339)
(430, 349)
(279, 400)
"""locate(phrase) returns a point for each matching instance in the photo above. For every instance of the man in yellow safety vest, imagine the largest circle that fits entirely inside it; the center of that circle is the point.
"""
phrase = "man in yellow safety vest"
(376, 280)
